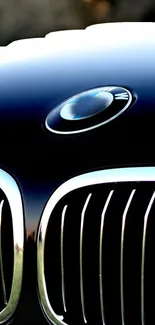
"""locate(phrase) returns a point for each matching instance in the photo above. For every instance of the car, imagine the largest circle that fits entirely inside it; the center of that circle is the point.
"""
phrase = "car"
(77, 177)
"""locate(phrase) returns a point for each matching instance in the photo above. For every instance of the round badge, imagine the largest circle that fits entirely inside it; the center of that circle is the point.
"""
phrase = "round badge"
(88, 110)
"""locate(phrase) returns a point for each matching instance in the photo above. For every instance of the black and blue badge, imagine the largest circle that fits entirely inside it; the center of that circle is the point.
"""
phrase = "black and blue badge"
(88, 110)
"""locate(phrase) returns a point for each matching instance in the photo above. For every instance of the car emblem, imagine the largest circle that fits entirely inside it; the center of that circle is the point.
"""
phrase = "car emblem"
(88, 110)
(10, 204)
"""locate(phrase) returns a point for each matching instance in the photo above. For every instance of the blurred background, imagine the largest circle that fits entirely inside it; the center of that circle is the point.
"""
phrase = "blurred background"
(35, 18)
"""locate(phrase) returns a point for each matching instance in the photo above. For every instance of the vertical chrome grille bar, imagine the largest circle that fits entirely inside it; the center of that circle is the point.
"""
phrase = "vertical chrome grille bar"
(62, 257)
(143, 256)
(1, 260)
(122, 251)
(100, 255)
(81, 257)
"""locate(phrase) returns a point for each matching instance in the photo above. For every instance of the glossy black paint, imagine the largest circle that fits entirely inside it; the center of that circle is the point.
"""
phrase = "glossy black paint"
(39, 160)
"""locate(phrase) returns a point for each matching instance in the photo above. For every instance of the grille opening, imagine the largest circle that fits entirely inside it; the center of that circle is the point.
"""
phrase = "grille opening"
(133, 255)
(111, 256)
(52, 261)
(111, 253)
(149, 274)
(91, 257)
(7, 258)
(71, 261)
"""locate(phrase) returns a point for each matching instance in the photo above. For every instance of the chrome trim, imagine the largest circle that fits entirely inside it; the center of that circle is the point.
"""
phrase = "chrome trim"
(12, 192)
(122, 251)
(1, 259)
(135, 174)
(62, 257)
(81, 257)
(143, 256)
(100, 255)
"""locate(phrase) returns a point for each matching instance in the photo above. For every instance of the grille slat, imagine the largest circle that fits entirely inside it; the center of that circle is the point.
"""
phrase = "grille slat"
(122, 253)
(62, 258)
(100, 255)
(81, 258)
(143, 257)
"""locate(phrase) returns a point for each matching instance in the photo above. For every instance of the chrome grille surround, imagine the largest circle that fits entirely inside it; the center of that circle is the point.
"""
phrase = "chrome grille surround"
(135, 174)
(12, 193)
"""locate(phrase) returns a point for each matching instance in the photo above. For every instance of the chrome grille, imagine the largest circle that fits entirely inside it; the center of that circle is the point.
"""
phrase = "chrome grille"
(6, 250)
(98, 250)
(11, 246)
